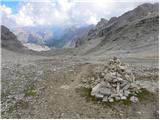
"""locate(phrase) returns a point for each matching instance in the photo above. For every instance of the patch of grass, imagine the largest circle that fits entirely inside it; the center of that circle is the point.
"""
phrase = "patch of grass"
(21, 104)
(30, 93)
(86, 92)
(144, 94)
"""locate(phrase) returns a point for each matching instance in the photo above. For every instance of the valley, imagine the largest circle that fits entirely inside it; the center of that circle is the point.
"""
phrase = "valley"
(56, 83)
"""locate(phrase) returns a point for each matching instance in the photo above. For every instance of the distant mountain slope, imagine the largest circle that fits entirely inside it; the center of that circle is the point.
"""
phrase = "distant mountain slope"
(65, 37)
(9, 40)
(37, 37)
(70, 36)
(135, 30)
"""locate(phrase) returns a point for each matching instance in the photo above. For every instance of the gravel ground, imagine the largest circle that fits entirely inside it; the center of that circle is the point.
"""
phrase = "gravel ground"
(51, 87)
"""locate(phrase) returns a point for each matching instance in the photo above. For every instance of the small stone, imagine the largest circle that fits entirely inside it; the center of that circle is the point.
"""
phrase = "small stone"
(114, 84)
(86, 86)
(119, 79)
(71, 70)
(114, 80)
(84, 80)
(156, 114)
(102, 74)
(120, 94)
(134, 99)
(123, 98)
(113, 77)
(122, 67)
(117, 98)
(111, 100)
(105, 91)
(40, 72)
(107, 76)
(54, 69)
(126, 86)
(114, 95)
(127, 77)
(92, 78)
(133, 85)
(77, 115)
(126, 93)
(62, 114)
(139, 112)
(105, 99)
(106, 71)
(65, 87)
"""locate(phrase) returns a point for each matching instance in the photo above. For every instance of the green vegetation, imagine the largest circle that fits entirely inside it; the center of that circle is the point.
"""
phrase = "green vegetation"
(85, 92)
(21, 104)
(144, 94)
(30, 93)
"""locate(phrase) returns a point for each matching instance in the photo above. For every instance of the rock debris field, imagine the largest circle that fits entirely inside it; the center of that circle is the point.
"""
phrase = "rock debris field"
(77, 87)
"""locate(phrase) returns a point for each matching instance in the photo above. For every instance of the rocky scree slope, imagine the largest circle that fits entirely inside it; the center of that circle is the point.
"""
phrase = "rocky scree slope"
(135, 30)
(9, 40)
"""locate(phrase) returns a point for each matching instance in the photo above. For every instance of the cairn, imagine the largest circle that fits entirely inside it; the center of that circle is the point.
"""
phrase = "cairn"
(117, 83)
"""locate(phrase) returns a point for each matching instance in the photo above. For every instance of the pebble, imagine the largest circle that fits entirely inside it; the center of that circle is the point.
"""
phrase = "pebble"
(123, 98)
(84, 80)
(139, 112)
(117, 98)
(77, 115)
(105, 99)
(65, 87)
(133, 99)
(111, 100)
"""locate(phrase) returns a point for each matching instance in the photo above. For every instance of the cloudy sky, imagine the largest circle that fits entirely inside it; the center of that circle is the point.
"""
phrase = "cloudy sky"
(62, 12)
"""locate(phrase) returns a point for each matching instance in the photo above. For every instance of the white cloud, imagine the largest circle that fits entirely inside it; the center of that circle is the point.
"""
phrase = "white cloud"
(6, 16)
(92, 20)
(5, 9)
(65, 12)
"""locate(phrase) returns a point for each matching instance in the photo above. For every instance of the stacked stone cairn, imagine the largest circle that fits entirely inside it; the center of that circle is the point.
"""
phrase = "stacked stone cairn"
(116, 83)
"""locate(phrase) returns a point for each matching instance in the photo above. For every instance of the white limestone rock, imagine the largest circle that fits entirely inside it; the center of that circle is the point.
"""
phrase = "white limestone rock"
(134, 99)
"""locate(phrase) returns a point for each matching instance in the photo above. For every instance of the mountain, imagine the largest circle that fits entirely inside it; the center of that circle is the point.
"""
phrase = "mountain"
(135, 30)
(59, 38)
(70, 36)
(9, 40)
(37, 37)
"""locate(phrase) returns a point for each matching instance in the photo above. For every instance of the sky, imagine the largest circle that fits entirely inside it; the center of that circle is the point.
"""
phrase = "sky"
(31, 13)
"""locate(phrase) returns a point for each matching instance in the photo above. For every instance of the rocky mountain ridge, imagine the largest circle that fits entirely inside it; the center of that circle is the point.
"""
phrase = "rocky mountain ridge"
(66, 37)
(135, 29)
(9, 40)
